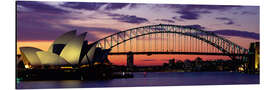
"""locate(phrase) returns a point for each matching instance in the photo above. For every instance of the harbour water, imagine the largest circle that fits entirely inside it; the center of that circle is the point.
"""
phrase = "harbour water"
(151, 79)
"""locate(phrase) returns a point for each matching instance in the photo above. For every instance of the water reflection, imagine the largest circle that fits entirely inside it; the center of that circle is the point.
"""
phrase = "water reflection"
(152, 79)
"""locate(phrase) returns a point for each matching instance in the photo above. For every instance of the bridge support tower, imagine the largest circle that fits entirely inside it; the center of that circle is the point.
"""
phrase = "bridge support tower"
(130, 61)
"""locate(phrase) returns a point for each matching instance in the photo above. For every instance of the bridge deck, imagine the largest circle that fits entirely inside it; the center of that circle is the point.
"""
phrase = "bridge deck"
(186, 53)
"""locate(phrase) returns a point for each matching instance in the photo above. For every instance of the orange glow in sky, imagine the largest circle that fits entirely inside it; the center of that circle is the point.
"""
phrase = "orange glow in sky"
(139, 60)
(43, 45)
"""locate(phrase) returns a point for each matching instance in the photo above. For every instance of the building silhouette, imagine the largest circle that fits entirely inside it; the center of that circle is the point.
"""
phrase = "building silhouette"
(254, 57)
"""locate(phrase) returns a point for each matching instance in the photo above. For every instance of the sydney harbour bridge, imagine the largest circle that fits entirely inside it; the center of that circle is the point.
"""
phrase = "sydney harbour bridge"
(82, 59)
(171, 39)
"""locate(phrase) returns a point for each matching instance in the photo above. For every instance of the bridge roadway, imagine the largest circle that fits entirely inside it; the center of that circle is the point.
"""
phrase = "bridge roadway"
(186, 53)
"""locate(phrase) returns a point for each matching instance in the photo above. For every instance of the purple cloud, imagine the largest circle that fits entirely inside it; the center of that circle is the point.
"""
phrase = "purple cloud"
(94, 5)
(28, 30)
(83, 5)
(38, 25)
(248, 13)
(177, 18)
(114, 6)
(41, 26)
(189, 15)
(196, 26)
(244, 34)
(134, 5)
(229, 32)
(45, 31)
(86, 29)
(202, 7)
(228, 20)
(91, 36)
(39, 7)
(193, 12)
(127, 18)
(31, 29)
(212, 7)
(165, 20)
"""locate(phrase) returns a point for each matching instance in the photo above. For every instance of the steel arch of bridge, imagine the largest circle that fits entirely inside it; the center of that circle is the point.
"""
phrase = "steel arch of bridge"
(227, 47)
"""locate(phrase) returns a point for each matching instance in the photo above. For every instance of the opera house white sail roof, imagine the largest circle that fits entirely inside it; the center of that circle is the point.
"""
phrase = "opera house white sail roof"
(65, 50)
(29, 55)
(89, 55)
(72, 50)
(63, 39)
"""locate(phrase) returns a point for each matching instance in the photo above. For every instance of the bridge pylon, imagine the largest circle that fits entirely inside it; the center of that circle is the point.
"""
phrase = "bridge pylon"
(130, 61)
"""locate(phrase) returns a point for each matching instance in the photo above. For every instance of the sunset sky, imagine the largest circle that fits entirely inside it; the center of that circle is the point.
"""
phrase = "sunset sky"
(39, 23)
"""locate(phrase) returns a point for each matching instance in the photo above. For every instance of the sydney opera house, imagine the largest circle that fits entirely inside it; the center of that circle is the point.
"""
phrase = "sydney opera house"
(67, 51)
